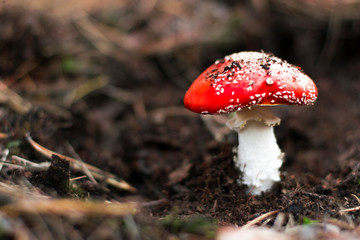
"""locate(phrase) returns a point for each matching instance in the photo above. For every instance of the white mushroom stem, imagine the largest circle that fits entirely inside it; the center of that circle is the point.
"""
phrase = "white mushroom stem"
(258, 156)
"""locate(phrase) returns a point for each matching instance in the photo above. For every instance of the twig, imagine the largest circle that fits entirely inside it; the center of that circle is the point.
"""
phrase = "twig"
(260, 218)
(85, 169)
(350, 209)
(20, 162)
(29, 168)
(99, 174)
(26, 163)
(77, 178)
(314, 195)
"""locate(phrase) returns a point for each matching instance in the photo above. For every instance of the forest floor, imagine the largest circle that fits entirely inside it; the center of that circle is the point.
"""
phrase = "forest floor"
(95, 142)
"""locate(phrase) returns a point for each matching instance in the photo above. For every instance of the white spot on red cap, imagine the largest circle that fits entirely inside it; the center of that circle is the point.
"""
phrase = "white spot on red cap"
(269, 81)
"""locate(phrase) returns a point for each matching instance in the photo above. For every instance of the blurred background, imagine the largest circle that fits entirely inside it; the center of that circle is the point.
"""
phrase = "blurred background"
(154, 40)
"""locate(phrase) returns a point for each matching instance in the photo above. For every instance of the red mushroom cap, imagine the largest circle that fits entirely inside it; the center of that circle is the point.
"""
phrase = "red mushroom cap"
(249, 79)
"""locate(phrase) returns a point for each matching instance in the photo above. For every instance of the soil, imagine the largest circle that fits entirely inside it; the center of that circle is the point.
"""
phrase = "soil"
(134, 124)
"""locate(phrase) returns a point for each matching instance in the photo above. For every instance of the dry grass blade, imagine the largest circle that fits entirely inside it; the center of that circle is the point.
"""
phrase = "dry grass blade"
(20, 192)
(85, 89)
(356, 197)
(97, 173)
(68, 207)
(4, 154)
(3, 135)
(13, 100)
(67, 9)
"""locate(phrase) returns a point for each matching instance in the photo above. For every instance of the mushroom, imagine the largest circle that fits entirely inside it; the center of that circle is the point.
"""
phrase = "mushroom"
(246, 85)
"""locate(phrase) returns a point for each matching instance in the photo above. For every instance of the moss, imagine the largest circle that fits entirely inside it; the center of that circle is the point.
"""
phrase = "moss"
(196, 225)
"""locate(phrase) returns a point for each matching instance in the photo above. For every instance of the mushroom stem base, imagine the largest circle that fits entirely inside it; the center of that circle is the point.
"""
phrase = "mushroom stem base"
(259, 157)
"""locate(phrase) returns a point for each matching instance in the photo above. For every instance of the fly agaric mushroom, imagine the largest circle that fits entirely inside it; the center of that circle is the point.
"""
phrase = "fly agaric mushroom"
(247, 84)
